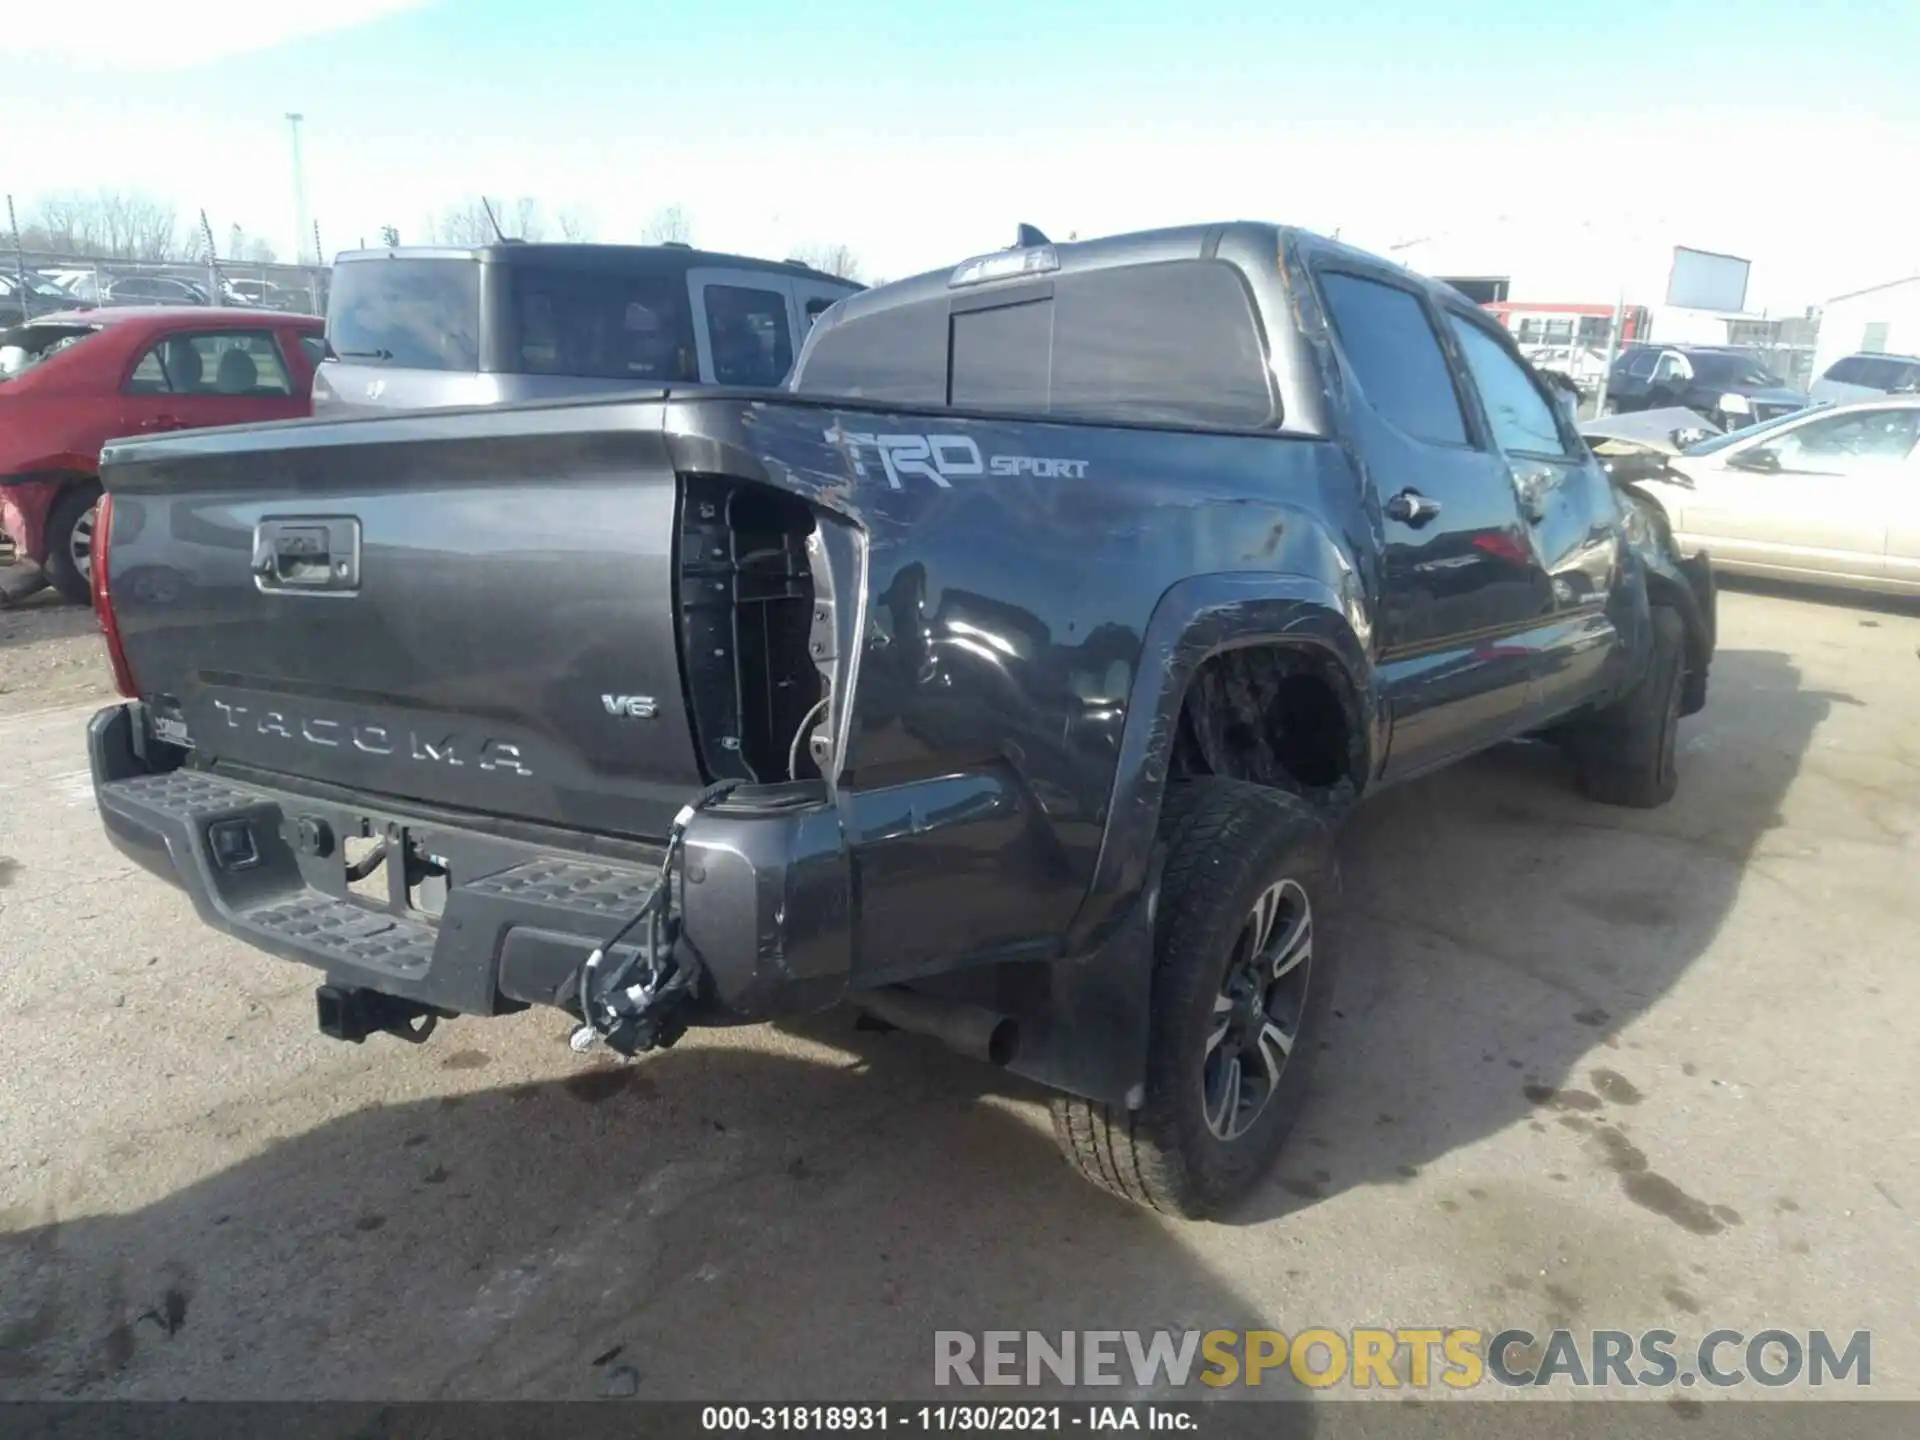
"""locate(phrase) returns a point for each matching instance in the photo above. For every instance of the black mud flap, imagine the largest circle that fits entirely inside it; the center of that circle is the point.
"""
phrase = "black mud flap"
(1703, 635)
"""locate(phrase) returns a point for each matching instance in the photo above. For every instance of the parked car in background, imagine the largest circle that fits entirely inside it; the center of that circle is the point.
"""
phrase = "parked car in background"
(154, 290)
(1829, 495)
(1864, 377)
(262, 294)
(23, 297)
(422, 327)
(72, 381)
(1728, 386)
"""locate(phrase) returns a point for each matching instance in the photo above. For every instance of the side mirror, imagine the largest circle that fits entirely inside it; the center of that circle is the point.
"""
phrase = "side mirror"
(1762, 458)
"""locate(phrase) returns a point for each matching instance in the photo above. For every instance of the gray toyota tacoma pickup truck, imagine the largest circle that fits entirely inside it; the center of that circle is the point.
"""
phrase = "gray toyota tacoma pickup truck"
(1005, 677)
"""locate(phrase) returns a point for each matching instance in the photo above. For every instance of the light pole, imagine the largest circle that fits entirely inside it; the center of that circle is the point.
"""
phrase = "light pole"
(299, 190)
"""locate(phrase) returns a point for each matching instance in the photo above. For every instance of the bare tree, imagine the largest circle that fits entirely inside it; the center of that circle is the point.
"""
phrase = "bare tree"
(833, 259)
(529, 221)
(260, 251)
(668, 226)
(576, 223)
(111, 223)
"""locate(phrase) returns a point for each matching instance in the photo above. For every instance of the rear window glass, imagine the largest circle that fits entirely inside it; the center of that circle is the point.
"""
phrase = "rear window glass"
(897, 357)
(1002, 358)
(25, 346)
(607, 324)
(1174, 343)
(419, 314)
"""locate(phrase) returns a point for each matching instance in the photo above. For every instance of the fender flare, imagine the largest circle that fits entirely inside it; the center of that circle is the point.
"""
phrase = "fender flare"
(1203, 616)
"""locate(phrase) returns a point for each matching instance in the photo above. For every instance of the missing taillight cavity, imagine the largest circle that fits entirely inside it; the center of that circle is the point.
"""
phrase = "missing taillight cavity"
(746, 607)
(99, 578)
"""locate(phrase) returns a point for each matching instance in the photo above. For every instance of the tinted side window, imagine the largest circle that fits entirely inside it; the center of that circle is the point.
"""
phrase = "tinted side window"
(1846, 371)
(748, 331)
(420, 314)
(607, 324)
(1521, 418)
(1389, 343)
(1002, 357)
(1640, 364)
(898, 356)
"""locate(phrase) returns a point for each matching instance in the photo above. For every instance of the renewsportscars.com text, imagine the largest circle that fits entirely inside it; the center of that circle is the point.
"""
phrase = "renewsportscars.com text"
(1416, 1358)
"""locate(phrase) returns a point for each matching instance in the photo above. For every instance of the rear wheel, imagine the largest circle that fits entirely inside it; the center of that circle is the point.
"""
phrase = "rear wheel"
(70, 540)
(1242, 983)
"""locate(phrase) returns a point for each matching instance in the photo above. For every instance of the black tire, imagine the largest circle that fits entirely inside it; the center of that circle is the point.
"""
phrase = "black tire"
(74, 505)
(1229, 844)
(1627, 754)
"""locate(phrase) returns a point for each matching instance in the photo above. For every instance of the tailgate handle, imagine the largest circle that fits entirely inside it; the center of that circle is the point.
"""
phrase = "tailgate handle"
(307, 556)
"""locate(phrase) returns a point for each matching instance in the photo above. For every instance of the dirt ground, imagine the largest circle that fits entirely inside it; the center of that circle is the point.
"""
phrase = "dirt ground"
(50, 655)
(1590, 1068)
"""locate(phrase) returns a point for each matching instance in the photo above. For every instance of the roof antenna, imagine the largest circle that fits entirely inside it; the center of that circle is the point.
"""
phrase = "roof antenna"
(1029, 236)
(494, 220)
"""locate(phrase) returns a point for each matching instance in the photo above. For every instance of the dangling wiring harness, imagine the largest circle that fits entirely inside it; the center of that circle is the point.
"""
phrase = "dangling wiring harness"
(632, 1006)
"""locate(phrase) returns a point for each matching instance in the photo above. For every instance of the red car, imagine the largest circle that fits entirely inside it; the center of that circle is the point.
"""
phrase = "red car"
(73, 381)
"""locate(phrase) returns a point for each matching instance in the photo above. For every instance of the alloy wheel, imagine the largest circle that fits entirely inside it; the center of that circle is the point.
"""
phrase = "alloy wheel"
(1258, 1010)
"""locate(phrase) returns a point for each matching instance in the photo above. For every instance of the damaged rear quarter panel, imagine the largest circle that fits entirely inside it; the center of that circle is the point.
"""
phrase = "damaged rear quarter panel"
(1027, 638)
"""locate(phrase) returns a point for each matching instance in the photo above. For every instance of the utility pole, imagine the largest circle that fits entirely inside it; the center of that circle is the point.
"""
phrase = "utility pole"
(299, 189)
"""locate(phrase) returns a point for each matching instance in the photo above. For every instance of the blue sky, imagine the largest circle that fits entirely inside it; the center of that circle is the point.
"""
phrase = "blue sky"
(918, 133)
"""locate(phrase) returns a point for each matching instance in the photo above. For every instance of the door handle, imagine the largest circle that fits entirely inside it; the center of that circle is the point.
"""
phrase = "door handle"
(1412, 509)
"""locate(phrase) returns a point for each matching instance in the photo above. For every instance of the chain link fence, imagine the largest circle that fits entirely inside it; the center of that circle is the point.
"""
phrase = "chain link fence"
(54, 281)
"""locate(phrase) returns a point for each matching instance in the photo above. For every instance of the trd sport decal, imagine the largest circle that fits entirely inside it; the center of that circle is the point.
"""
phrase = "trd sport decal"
(941, 458)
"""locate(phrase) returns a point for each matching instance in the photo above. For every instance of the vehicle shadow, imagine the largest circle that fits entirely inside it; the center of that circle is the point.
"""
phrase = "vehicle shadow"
(714, 1222)
(1499, 931)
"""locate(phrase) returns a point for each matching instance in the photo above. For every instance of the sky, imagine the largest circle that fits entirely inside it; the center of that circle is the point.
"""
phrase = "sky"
(918, 133)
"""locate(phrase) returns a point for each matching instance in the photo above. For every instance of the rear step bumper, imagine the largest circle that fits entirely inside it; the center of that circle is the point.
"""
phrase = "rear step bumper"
(765, 906)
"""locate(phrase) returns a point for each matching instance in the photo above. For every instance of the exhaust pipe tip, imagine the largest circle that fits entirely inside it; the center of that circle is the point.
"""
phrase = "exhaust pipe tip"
(972, 1030)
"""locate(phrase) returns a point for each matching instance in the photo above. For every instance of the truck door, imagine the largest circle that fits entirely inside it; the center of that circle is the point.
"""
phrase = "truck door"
(743, 326)
(1572, 517)
(1460, 584)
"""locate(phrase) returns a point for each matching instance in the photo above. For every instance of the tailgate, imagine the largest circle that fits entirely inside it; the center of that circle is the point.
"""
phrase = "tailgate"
(476, 611)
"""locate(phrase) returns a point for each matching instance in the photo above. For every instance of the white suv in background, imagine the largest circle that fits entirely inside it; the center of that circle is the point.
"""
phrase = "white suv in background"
(1866, 377)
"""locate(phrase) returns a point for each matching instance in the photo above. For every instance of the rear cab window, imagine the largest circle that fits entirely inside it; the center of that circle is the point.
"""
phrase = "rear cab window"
(416, 314)
(1173, 343)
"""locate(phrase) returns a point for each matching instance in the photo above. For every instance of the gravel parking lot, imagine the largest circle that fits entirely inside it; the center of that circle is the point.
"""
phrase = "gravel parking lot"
(1592, 1068)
